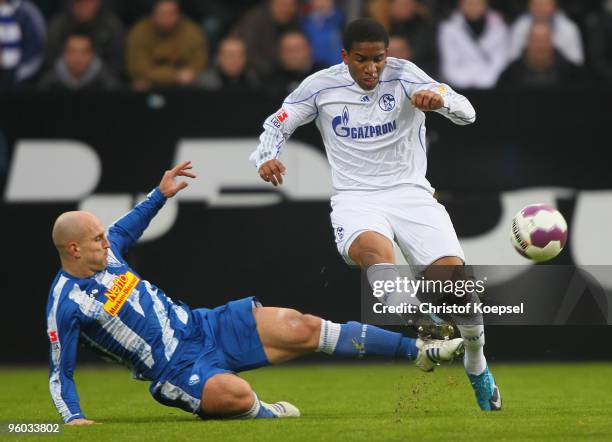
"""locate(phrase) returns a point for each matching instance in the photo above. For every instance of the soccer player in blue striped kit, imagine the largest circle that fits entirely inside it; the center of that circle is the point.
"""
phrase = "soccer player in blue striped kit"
(370, 111)
(190, 356)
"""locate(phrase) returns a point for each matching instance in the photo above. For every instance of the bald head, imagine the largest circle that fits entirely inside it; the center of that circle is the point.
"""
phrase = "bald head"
(71, 226)
(80, 240)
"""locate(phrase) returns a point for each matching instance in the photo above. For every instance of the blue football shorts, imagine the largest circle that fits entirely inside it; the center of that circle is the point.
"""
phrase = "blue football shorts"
(226, 341)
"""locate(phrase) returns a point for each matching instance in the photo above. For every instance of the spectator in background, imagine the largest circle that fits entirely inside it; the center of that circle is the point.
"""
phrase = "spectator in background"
(165, 49)
(231, 71)
(106, 31)
(411, 19)
(261, 28)
(473, 46)
(509, 9)
(323, 27)
(131, 11)
(598, 30)
(295, 63)
(22, 42)
(399, 47)
(379, 10)
(79, 68)
(566, 35)
(216, 17)
(541, 65)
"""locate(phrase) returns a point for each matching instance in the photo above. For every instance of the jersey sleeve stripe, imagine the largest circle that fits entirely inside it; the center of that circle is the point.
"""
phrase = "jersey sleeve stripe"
(408, 81)
(420, 137)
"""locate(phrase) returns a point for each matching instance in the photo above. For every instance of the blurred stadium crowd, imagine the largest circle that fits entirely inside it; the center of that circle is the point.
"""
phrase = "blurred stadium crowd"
(272, 45)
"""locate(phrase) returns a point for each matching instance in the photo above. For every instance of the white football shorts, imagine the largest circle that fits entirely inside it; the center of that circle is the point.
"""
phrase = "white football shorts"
(406, 214)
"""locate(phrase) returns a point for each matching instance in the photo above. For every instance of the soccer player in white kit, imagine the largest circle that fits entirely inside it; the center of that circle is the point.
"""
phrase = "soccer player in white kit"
(370, 112)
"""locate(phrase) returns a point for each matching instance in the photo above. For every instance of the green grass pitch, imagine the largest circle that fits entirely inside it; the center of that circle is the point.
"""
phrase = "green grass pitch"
(343, 402)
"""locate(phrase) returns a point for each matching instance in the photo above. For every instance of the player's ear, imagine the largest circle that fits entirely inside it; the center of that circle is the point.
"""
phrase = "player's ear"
(345, 56)
(73, 249)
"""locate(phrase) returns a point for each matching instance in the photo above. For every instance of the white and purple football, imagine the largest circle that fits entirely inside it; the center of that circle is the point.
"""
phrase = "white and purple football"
(538, 232)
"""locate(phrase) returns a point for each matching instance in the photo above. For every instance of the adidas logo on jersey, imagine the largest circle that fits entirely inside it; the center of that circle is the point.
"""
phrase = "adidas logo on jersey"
(365, 99)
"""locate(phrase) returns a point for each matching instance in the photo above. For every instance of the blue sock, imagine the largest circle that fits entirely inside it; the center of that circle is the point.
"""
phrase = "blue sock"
(264, 413)
(358, 339)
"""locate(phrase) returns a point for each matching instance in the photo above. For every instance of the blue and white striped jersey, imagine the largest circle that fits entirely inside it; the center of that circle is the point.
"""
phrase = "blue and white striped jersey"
(373, 139)
(116, 312)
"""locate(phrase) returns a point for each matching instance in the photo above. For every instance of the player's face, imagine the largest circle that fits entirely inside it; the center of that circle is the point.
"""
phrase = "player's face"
(366, 61)
(93, 246)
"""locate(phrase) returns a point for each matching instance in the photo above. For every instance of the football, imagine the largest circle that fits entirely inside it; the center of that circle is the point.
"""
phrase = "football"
(538, 232)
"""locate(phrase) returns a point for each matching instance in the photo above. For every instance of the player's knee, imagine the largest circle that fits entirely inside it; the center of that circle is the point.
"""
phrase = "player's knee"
(450, 268)
(305, 330)
(226, 394)
(453, 269)
(368, 257)
(371, 248)
(312, 331)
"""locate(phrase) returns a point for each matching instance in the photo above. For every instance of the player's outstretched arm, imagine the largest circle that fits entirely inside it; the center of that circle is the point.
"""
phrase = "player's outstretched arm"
(126, 231)
(272, 171)
(63, 329)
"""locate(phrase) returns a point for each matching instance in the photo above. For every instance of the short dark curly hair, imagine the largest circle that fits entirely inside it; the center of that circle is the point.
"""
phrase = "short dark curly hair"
(364, 29)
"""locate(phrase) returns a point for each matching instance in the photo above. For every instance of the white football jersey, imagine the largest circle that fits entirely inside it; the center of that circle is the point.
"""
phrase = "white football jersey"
(373, 139)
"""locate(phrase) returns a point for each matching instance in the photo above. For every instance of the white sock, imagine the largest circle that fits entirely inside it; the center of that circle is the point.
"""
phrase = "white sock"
(388, 272)
(253, 411)
(474, 340)
(330, 332)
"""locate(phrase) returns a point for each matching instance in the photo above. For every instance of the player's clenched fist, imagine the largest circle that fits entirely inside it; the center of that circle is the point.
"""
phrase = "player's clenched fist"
(427, 100)
(272, 172)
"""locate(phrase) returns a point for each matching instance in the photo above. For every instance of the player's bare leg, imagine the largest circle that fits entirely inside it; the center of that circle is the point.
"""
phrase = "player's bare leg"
(370, 248)
(287, 334)
(226, 395)
(373, 252)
